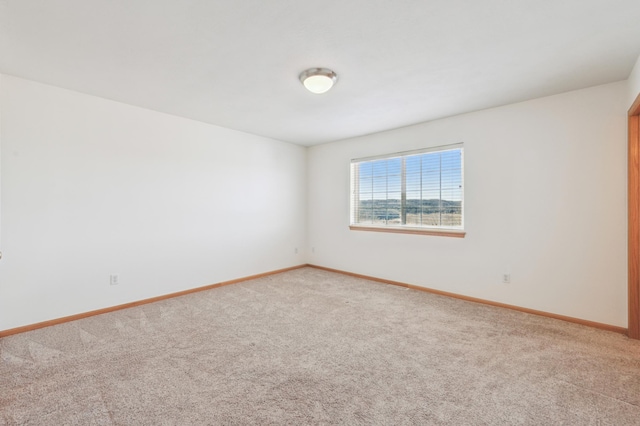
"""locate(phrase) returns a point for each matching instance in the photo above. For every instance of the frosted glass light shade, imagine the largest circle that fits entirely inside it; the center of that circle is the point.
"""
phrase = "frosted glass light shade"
(318, 83)
(318, 80)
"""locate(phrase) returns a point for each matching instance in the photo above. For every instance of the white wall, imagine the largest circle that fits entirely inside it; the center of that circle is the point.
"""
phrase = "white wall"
(545, 201)
(0, 189)
(92, 187)
(634, 83)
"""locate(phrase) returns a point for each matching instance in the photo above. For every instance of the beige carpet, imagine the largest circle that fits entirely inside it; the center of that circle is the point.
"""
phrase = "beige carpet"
(314, 347)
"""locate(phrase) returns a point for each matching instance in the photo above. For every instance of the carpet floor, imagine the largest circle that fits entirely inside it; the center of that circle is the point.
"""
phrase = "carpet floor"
(314, 347)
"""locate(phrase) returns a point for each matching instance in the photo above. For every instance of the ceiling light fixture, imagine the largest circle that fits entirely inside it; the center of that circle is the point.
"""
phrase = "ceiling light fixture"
(318, 80)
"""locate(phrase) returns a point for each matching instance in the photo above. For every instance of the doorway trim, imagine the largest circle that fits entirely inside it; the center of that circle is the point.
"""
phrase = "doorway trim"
(634, 220)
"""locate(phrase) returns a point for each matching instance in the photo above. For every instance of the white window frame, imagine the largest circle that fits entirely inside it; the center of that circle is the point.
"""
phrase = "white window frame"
(449, 231)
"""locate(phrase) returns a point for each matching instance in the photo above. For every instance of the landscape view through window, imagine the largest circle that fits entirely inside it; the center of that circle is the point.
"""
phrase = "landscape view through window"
(419, 190)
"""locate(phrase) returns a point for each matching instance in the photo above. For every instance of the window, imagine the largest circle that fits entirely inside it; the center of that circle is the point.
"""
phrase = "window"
(414, 192)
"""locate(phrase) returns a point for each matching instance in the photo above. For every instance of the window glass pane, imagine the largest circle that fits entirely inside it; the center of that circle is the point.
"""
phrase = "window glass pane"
(365, 185)
(379, 168)
(431, 162)
(414, 181)
(364, 215)
(394, 183)
(414, 219)
(394, 198)
(413, 164)
(394, 166)
(452, 194)
(431, 194)
(365, 169)
(430, 184)
(413, 195)
(379, 184)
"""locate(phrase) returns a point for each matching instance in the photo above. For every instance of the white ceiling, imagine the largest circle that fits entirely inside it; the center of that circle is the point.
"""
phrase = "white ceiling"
(235, 63)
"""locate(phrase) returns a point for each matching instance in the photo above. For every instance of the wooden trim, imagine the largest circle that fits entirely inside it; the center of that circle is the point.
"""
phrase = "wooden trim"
(635, 107)
(601, 326)
(418, 231)
(634, 220)
(30, 327)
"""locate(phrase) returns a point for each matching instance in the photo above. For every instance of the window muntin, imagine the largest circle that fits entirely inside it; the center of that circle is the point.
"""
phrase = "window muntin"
(418, 189)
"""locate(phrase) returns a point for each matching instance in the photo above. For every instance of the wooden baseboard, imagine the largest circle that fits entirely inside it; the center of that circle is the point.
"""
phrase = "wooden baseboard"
(30, 327)
(593, 324)
(23, 329)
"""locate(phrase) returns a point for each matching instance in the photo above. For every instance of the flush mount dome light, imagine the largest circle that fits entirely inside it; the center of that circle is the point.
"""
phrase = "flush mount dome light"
(318, 80)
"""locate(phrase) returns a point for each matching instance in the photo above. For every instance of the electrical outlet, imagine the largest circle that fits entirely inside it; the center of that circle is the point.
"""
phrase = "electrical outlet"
(506, 278)
(313, 249)
(114, 279)
(295, 250)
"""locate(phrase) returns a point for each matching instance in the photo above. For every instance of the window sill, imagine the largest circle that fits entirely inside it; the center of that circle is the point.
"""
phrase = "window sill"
(455, 233)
